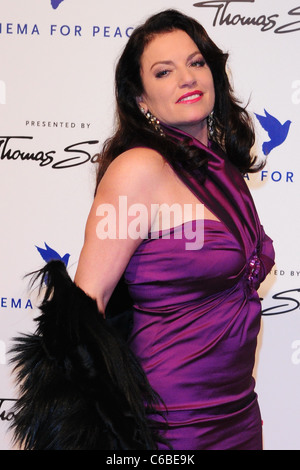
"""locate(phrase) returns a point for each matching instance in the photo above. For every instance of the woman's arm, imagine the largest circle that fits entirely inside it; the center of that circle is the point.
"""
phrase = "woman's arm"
(135, 176)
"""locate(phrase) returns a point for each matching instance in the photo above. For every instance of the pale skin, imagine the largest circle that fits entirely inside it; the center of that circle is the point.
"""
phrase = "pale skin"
(171, 67)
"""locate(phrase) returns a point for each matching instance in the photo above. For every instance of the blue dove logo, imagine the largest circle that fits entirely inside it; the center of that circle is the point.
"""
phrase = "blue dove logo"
(277, 132)
(55, 3)
(48, 254)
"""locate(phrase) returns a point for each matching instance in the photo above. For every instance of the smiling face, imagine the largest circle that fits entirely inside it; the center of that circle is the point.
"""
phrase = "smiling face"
(178, 84)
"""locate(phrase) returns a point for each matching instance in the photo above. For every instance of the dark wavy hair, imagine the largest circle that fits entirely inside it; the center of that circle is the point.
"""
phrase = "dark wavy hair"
(234, 131)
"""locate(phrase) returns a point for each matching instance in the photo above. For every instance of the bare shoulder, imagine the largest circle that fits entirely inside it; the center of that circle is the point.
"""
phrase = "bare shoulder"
(138, 168)
(138, 160)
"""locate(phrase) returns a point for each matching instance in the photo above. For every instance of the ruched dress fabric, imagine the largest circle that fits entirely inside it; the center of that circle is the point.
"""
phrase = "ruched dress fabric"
(197, 315)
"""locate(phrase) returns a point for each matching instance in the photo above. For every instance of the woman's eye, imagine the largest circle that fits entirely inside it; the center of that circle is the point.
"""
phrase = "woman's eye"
(198, 63)
(161, 73)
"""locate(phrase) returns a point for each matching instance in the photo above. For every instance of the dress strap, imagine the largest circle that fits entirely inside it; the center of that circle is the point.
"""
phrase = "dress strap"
(225, 193)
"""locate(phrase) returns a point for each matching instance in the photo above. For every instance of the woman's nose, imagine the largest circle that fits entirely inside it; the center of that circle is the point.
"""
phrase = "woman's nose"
(187, 78)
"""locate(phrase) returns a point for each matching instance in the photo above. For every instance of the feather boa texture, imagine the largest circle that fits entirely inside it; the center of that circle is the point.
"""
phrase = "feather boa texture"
(80, 386)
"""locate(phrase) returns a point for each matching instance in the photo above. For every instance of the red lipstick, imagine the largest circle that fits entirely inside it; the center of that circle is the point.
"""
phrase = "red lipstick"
(191, 97)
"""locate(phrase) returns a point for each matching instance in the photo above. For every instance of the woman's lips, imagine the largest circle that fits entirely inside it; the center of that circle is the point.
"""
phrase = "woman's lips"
(191, 97)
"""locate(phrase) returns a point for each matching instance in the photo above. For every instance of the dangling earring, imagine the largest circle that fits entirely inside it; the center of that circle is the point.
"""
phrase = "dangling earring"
(152, 120)
(211, 124)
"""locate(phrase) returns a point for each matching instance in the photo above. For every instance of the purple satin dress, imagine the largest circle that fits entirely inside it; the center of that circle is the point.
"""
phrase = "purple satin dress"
(197, 316)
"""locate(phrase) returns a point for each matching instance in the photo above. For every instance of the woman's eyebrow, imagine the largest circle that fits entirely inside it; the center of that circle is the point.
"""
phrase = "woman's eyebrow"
(164, 62)
(170, 62)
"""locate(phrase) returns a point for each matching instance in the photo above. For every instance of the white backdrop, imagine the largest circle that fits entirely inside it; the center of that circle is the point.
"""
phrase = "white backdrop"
(56, 108)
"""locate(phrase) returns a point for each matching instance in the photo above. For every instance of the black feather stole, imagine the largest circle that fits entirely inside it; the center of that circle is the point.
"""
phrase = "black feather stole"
(80, 386)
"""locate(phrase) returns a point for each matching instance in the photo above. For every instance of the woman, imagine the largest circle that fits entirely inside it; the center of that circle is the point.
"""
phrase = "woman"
(172, 220)
(183, 140)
